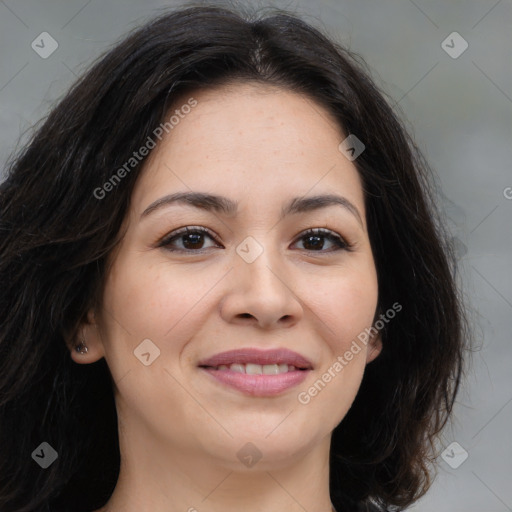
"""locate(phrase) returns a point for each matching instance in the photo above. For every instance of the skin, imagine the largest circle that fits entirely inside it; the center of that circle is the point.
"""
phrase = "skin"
(180, 430)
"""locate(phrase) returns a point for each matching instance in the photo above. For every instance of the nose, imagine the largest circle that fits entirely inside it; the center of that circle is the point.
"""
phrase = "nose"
(261, 292)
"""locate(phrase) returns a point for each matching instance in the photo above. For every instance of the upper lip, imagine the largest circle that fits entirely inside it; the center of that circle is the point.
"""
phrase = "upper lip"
(258, 356)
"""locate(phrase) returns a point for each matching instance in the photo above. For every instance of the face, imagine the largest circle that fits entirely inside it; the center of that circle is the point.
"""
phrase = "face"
(247, 278)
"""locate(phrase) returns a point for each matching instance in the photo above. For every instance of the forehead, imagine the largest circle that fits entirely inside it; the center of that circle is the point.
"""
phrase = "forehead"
(249, 140)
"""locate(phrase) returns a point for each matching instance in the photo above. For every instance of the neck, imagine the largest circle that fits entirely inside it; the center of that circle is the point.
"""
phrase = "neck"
(174, 479)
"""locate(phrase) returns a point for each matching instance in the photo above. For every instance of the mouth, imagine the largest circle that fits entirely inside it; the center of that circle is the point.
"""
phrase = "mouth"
(256, 372)
(256, 369)
(254, 358)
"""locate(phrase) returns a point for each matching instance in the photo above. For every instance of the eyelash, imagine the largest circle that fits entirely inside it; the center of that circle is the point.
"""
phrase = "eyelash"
(341, 244)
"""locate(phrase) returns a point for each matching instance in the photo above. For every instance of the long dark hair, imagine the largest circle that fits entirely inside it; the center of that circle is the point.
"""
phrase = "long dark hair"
(55, 235)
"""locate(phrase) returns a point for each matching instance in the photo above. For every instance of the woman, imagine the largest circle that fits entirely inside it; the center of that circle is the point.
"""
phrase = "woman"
(224, 283)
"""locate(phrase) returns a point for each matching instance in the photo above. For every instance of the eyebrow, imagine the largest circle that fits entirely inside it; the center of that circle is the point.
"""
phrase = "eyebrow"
(226, 206)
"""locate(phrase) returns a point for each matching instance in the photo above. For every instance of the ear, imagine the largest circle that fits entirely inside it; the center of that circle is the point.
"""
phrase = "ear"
(87, 332)
(374, 347)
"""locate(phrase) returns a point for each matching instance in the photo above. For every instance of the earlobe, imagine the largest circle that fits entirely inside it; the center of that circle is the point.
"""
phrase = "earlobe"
(86, 347)
(79, 348)
(374, 348)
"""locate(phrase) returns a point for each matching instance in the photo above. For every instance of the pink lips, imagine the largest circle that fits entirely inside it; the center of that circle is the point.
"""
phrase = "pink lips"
(252, 355)
(258, 385)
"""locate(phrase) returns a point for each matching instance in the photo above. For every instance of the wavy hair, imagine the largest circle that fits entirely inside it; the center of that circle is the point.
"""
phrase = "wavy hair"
(55, 236)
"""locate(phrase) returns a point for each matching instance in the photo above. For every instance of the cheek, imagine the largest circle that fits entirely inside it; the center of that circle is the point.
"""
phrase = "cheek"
(156, 300)
(346, 303)
(134, 297)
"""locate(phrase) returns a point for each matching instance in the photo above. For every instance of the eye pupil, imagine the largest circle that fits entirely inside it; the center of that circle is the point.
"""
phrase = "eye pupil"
(195, 237)
(318, 243)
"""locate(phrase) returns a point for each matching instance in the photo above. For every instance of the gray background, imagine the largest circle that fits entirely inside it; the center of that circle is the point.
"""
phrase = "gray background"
(460, 113)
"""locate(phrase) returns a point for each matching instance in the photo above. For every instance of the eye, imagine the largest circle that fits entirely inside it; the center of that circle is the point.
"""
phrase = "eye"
(315, 239)
(192, 238)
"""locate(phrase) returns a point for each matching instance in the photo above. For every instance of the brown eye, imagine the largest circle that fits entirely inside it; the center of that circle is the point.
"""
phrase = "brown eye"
(314, 240)
(192, 239)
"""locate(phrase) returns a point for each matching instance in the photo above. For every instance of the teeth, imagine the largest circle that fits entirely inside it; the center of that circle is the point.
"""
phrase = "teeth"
(239, 368)
(254, 369)
(271, 369)
(258, 369)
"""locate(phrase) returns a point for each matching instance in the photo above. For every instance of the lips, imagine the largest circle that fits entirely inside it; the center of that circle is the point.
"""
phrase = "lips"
(259, 357)
(257, 373)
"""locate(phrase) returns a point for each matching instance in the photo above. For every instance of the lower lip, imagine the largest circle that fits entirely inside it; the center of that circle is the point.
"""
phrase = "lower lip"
(259, 385)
